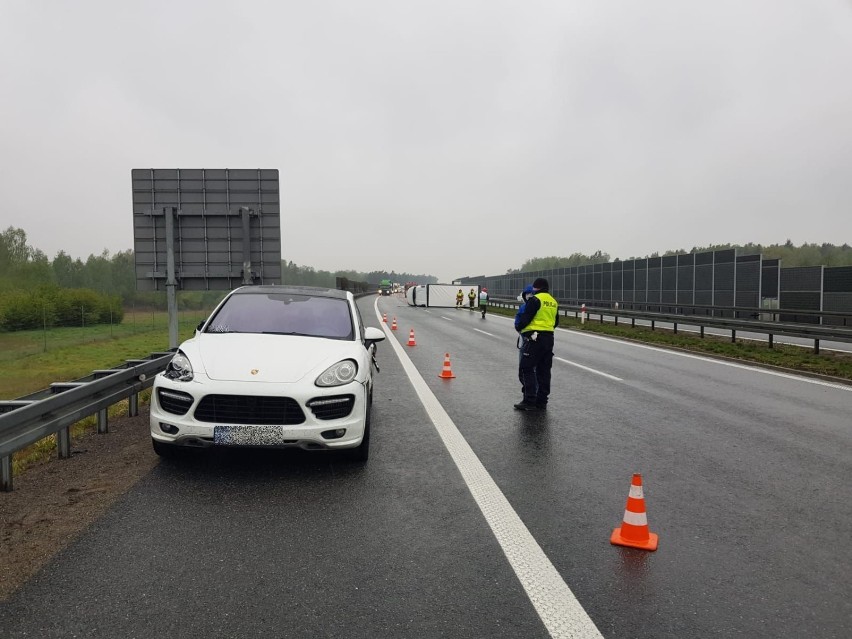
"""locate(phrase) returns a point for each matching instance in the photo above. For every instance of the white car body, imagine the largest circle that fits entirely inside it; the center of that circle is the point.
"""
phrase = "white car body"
(261, 390)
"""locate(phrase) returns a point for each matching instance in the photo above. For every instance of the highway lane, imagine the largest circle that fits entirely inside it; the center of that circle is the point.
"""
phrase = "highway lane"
(744, 476)
(743, 469)
(289, 544)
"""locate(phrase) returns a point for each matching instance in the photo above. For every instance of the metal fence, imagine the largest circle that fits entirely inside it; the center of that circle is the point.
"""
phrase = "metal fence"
(713, 278)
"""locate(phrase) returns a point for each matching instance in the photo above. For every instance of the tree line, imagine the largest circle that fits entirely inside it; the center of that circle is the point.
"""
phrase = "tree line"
(36, 291)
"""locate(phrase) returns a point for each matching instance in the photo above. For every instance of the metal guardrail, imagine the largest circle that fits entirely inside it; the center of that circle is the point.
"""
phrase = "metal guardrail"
(54, 410)
(833, 318)
(815, 332)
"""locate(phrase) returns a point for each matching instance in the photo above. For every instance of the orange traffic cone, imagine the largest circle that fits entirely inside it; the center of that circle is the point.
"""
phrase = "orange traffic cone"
(393, 324)
(385, 318)
(411, 341)
(634, 530)
(447, 372)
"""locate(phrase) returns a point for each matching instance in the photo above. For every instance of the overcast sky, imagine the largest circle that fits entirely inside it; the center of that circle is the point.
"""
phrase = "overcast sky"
(449, 138)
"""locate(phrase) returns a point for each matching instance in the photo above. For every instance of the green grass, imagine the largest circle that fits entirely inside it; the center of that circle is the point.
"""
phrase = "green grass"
(31, 360)
(794, 358)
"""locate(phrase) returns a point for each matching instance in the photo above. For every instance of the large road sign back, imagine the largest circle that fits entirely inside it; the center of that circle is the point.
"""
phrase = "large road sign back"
(224, 226)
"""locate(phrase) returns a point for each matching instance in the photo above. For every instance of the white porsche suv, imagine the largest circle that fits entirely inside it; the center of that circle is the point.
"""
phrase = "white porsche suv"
(273, 366)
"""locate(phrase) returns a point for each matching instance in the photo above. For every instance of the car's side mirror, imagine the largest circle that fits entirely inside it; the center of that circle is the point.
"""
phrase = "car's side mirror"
(200, 325)
(373, 335)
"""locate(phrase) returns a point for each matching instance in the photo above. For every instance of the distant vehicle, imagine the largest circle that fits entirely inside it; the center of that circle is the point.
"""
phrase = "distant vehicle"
(416, 295)
(385, 287)
(438, 295)
(273, 367)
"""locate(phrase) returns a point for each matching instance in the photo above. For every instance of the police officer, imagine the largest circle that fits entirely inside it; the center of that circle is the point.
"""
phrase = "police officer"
(536, 325)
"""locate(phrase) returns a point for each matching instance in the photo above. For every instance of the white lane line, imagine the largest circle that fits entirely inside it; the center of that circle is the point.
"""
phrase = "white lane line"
(591, 370)
(585, 368)
(484, 332)
(449, 319)
(556, 605)
(721, 362)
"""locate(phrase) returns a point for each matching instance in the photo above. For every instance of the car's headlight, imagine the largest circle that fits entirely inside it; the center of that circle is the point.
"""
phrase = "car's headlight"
(179, 368)
(341, 373)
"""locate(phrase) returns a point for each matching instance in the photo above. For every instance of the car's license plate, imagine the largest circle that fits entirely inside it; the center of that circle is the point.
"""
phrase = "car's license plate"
(250, 435)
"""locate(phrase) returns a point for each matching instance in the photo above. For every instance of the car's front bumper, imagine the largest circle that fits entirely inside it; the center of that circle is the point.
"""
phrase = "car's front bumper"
(312, 434)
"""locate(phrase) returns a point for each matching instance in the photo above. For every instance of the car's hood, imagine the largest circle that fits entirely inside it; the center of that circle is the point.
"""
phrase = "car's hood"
(267, 358)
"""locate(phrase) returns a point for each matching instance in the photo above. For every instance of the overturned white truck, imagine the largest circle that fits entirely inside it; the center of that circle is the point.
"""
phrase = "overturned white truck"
(440, 295)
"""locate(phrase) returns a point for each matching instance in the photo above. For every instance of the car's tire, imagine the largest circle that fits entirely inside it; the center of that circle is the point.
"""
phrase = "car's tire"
(361, 453)
(165, 450)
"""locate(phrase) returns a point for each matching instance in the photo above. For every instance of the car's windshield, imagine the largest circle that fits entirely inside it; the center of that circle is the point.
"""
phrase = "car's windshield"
(286, 314)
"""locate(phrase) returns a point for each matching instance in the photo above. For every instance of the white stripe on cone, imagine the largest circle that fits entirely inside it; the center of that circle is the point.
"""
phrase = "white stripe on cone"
(635, 519)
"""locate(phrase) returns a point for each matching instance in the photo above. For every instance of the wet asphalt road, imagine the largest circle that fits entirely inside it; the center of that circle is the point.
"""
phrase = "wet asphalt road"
(746, 484)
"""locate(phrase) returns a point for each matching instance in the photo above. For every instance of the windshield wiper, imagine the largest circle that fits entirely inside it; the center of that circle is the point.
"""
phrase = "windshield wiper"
(287, 333)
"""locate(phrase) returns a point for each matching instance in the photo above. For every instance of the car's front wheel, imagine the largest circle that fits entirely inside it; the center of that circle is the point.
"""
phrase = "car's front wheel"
(165, 450)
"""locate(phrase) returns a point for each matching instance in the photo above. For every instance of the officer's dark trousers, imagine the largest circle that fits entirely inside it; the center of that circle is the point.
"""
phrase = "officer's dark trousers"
(534, 368)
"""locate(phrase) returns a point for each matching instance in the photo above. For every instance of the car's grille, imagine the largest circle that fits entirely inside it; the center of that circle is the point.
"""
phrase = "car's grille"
(175, 402)
(333, 407)
(249, 409)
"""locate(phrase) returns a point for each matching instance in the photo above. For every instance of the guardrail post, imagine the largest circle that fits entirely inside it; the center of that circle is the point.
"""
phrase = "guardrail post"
(133, 405)
(63, 442)
(770, 340)
(702, 331)
(103, 423)
(6, 474)
(652, 325)
(632, 322)
(675, 327)
(733, 336)
(816, 347)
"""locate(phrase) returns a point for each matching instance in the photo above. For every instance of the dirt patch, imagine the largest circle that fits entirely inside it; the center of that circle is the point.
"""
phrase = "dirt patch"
(53, 502)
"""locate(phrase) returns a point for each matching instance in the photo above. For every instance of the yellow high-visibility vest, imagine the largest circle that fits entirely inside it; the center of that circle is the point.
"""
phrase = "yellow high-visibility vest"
(545, 317)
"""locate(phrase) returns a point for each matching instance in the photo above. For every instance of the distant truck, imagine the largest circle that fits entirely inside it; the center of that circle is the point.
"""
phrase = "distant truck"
(439, 295)
(385, 287)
